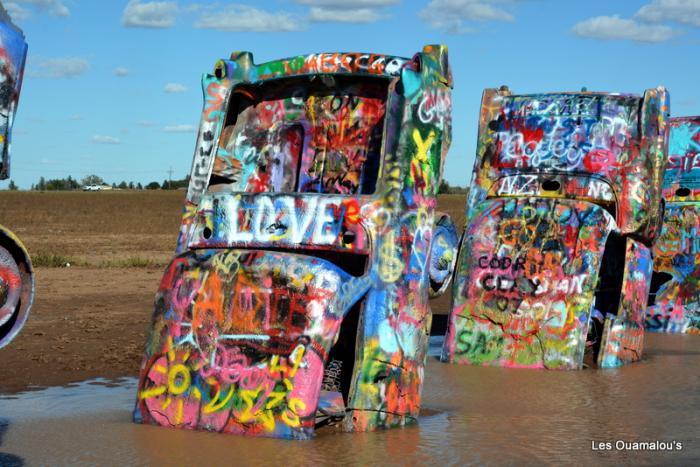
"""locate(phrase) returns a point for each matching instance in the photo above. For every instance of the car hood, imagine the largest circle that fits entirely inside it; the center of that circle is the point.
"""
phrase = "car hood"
(240, 339)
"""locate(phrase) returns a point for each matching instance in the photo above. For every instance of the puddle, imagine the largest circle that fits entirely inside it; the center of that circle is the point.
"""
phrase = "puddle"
(469, 415)
(69, 401)
(435, 346)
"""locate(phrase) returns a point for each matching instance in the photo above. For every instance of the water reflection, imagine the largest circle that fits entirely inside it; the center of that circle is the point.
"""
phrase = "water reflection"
(471, 415)
(7, 459)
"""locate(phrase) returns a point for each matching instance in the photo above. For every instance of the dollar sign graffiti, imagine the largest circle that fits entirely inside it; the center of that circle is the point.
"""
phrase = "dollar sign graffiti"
(390, 264)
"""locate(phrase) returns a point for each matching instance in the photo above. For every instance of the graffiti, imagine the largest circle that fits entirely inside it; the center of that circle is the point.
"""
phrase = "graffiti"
(434, 106)
(525, 292)
(16, 273)
(442, 255)
(624, 343)
(559, 198)
(13, 52)
(479, 345)
(300, 287)
(678, 319)
(266, 219)
(579, 187)
(506, 262)
(320, 137)
(333, 63)
(10, 283)
(204, 153)
(254, 329)
(675, 295)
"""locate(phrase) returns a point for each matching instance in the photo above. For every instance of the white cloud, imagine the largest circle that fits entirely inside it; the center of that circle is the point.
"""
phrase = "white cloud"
(679, 11)
(182, 128)
(348, 4)
(146, 123)
(120, 71)
(234, 17)
(102, 139)
(616, 28)
(55, 68)
(449, 15)
(346, 11)
(139, 14)
(52, 7)
(16, 12)
(360, 15)
(75, 117)
(173, 88)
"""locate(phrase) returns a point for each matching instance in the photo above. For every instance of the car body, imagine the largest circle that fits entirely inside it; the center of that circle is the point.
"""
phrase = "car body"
(555, 261)
(308, 249)
(675, 295)
(16, 273)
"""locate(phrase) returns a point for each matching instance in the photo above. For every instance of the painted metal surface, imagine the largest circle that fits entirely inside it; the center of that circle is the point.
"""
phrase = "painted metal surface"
(16, 274)
(675, 296)
(554, 265)
(308, 250)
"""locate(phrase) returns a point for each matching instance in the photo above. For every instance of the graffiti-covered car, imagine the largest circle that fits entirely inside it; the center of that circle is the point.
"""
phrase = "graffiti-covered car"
(16, 274)
(675, 296)
(555, 261)
(308, 249)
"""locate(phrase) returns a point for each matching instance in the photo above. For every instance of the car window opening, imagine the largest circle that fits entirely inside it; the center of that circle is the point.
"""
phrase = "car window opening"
(306, 135)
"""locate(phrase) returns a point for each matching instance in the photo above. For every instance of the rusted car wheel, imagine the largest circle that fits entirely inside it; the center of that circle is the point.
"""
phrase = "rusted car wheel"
(16, 287)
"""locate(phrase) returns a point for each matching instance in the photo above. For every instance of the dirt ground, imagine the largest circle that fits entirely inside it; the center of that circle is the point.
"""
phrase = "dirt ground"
(85, 323)
(92, 320)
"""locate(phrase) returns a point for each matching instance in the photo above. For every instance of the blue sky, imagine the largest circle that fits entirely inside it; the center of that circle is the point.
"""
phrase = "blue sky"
(112, 87)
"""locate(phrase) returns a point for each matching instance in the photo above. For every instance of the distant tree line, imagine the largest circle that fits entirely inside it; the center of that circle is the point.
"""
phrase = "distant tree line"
(70, 183)
(445, 188)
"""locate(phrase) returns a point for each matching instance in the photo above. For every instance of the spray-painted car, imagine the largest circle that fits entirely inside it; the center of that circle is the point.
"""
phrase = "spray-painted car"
(563, 209)
(674, 304)
(16, 275)
(308, 250)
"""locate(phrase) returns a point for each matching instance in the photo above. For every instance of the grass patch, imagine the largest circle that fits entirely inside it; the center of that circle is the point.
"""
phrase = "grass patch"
(53, 260)
(57, 260)
(130, 262)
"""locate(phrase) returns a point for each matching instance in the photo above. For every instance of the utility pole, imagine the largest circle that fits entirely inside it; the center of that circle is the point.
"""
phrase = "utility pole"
(170, 178)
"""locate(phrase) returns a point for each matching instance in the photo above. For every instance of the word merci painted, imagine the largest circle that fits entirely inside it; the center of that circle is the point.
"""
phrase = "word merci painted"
(236, 219)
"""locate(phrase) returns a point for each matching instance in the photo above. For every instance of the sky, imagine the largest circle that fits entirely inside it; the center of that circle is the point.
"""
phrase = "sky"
(112, 88)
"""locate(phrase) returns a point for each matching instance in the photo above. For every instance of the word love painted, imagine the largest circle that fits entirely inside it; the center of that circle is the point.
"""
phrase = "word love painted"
(266, 218)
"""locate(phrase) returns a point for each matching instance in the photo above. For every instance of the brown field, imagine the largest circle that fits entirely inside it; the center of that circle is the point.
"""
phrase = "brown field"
(95, 228)
(91, 319)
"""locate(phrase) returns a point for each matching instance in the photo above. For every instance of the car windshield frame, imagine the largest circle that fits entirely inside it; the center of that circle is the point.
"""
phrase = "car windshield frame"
(349, 101)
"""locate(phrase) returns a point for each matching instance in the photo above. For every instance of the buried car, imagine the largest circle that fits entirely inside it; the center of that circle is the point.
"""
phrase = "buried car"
(308, 250)
(555, 261)
(674, 299)
(16, 274)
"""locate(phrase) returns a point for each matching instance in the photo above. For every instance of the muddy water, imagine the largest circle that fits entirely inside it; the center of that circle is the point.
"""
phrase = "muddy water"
(472, 415)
